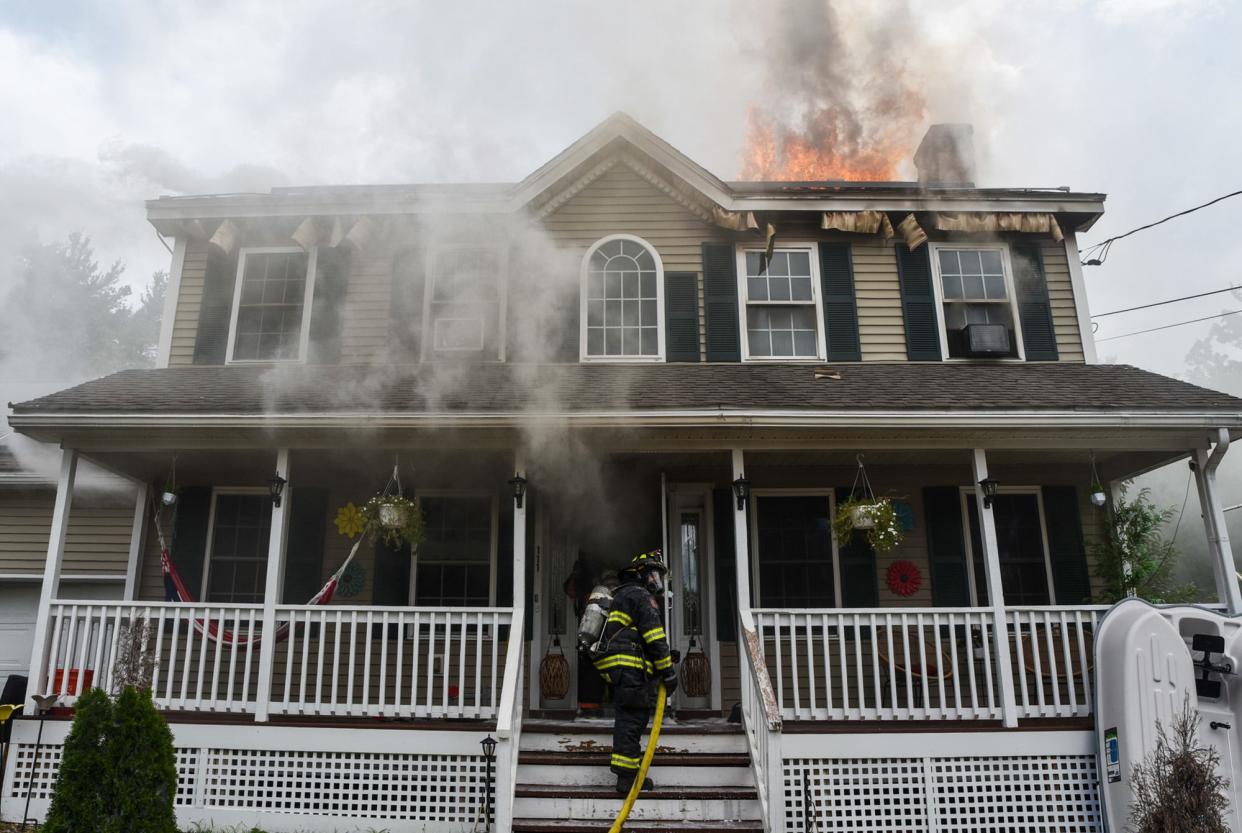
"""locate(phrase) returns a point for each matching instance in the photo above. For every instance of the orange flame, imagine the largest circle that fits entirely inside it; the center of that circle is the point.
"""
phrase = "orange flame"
(834, 142)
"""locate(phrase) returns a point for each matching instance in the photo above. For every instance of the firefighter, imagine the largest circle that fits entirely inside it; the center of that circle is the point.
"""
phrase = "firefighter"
(636, 655)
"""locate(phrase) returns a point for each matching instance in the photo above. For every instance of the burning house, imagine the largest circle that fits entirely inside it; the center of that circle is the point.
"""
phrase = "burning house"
(863, 417)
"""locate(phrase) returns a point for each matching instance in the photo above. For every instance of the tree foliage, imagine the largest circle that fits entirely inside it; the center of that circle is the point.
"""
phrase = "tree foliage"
(1133, 535)
(118, 772)
(1178, 786)
(67, 318)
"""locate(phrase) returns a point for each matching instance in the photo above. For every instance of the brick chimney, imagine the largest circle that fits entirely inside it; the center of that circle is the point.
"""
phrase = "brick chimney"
(946, 156)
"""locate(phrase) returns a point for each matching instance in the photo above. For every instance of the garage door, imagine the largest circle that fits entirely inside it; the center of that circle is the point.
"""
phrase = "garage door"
(19, 604)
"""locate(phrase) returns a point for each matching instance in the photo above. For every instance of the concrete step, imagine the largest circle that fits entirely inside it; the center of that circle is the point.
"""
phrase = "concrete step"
(670, 769)
(592, 803)
(602, 826)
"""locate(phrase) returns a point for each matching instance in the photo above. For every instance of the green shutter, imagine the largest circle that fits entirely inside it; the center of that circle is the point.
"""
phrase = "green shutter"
(859, 581)
(946, 547)
(391, 583)
(308, 520)
(720, 302)
(726, 565)
(216, 308)
(327, 305)
(1039, 338)
(1070, 576)
(681, 316)
(918, 304)
(189, 541)
(836, 277)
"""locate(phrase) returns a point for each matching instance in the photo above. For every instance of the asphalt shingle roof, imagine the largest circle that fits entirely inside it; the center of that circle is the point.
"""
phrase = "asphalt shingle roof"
(599, 387)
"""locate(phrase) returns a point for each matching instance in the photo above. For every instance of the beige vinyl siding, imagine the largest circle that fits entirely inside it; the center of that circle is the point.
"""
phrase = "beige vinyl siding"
(189, 299)
(365, 320)
(881, 327)
(97, 543)
(622, 202)
(1061, 299)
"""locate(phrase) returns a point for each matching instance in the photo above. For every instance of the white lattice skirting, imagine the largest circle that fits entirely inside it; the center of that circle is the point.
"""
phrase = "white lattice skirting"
(1052, 787)
(284, 778)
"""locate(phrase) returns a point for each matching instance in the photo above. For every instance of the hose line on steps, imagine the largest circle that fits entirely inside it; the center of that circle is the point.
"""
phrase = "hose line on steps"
(637, 787)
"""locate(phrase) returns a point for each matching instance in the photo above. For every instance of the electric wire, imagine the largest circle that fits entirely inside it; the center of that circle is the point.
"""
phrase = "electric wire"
(1103, 246)
(1181, 513)
(1171, 326)
(1169, 301)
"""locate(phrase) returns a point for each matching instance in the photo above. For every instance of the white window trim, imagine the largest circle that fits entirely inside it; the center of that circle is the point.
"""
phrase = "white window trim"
(582, 304)
(217, 491)
(752, 508)
(493, 556)
(307, 297)
(426, 347)
(938, 289)
(965, 494)
(821, 337)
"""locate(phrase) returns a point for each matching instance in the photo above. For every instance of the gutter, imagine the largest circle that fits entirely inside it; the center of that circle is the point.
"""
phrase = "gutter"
(692, 418)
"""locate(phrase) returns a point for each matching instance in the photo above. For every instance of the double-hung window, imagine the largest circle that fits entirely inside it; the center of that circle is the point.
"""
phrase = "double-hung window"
(622, 301)
(462, 315)
(780, 303)
(240, 529)
(975, 288)
(455, 564)
(271, 304)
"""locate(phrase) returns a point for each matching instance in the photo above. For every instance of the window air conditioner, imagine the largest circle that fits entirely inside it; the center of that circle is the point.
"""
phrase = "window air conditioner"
(987, 340)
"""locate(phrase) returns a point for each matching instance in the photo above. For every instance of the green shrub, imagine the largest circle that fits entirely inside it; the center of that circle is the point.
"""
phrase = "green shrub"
(143, 778)
(1133, 534)
(78, 802)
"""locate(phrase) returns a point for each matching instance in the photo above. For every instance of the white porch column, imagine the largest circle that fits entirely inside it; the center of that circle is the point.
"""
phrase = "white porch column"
(39, 672)
(741, 538)
(271, 589)
(137, 542)
(1219, 546)
(519, 535)
(996, 595)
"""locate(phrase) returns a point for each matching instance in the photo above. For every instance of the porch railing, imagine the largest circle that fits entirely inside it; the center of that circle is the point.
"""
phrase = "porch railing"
(762, 722)
(509, 726)
(927, 663)
(334, 660)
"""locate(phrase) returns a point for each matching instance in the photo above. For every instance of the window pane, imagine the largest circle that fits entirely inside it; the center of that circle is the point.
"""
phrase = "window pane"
(970, 263)
(269, 313)
(760, 342)
(629, 284)
(631, 290)
(595, 341)
(800, 289)
(754, 263)
(972, 286)
(994, 286)
(804, 343)
(991, 262)
(630, 345)
(757, 289)
(595, 285)
(779, 288)
(649, 314)
(651, 341)
(612, 314)
(799, 263)
(630, 313)
(952, 286)
(612, 285)
(782, 343)
(948, 262)
(649, 284)
(612, 341)
(595, 313)
(780, 264)
(803, 318)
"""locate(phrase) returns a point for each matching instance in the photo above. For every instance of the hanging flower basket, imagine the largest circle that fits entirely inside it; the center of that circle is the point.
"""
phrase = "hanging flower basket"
(394, 519)
(883, 530)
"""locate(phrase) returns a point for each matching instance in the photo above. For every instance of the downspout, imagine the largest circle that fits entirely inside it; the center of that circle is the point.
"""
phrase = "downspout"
(1218, 532)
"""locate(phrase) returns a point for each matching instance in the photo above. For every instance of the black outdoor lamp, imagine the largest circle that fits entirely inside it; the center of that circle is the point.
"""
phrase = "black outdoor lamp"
(518, 482)
(489, 754)
(276, 487)
(741, 488)
(989, 485)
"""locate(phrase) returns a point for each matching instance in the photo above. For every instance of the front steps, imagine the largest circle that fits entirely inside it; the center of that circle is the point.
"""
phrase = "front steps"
(701, 770)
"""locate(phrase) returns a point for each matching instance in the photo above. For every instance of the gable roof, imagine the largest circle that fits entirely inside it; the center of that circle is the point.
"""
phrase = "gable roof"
(619, 133)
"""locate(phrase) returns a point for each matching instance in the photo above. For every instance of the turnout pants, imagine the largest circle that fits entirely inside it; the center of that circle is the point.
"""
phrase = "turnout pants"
(632, 697)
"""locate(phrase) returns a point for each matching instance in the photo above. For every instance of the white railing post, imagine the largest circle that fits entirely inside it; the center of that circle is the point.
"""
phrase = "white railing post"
(39, 672)
(741, 539)
(271, 590)
(509, 724)
(996, 595)
(1219, 547)
(137, 541)
(519, 535)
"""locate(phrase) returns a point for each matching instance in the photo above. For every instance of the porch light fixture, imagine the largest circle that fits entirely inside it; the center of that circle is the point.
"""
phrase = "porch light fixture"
(518, 482)
(741, 488)
(275, 488)
(989, 485)
(489, 754)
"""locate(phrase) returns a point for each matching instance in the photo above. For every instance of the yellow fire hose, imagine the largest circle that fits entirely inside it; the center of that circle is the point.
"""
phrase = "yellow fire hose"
(644, 766)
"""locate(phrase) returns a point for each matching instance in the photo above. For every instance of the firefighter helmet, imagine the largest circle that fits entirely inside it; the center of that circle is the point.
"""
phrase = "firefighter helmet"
(653, 560)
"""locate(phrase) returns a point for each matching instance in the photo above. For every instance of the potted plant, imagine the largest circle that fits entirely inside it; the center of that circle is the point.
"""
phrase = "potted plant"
(874, 517)
(394, 518)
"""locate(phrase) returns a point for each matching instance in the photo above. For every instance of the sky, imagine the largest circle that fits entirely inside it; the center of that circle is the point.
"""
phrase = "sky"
(109, 103)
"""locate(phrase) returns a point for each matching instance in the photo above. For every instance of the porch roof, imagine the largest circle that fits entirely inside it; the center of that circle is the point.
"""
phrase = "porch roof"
(527, 390)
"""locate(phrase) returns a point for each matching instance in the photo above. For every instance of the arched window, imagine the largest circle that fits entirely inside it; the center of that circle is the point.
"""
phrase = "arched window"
(622, 301)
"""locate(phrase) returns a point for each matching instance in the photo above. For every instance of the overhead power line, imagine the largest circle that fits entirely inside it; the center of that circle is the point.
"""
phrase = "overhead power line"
(1170, 301)
(1101, 248)
(1171, 326)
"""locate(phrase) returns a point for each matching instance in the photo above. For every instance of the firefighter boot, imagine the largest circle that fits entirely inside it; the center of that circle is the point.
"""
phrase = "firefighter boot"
(626, 781)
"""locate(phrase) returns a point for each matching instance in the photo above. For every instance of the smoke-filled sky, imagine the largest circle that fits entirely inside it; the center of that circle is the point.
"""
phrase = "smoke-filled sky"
(105, 104)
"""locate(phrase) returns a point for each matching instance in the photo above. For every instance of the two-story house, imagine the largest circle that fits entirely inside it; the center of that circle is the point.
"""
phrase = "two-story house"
(619, 352)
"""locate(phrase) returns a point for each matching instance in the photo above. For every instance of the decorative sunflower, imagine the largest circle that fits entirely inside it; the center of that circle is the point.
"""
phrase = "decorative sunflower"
(904, 578)
(352, 580)
(350, 521)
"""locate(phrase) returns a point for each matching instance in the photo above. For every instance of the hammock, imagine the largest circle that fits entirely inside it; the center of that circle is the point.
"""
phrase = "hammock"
(176, 591)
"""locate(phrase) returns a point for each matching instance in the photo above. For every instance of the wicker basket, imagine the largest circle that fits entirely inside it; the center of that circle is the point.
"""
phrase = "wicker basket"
(696, 672)
(554, 673)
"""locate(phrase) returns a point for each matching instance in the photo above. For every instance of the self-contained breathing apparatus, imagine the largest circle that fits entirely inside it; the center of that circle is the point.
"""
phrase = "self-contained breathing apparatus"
(591, 627)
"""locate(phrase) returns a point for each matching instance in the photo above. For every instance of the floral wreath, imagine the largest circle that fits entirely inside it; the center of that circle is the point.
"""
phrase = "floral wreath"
(904, 578)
